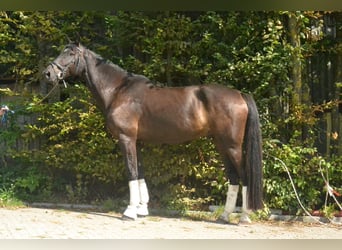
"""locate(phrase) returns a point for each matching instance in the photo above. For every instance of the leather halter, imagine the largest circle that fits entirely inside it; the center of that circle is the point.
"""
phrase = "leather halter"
(64, 69)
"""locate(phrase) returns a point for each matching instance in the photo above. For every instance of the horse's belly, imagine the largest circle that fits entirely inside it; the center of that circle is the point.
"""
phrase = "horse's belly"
(176, 122)
(170, 134)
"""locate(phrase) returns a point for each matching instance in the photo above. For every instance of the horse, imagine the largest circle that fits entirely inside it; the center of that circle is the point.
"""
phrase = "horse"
(136, 110)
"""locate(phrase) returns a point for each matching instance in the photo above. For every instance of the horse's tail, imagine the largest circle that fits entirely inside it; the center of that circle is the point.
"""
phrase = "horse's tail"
(253, 156)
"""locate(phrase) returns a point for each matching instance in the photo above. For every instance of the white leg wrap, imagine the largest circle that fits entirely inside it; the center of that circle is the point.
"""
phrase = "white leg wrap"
(245, 212)
(144, 198)
(230, 202)
(134, 193)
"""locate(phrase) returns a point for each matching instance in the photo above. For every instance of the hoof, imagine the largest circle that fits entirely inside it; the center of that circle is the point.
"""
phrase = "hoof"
(131, 213)
(222, 221)
(142, 211)
(126, 218)
(244, 219)
(224, 218)
(227, 219)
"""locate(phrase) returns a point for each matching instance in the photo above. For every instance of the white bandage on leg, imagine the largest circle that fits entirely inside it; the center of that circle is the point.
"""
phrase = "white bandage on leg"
(144, 198)
(134, 194)
(230, 202)
(245, 211)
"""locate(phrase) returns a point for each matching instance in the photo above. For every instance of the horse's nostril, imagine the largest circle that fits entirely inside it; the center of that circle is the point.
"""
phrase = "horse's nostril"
(47, 74)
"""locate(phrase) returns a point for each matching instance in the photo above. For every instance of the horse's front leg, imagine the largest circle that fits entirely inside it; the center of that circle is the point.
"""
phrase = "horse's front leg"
(143, 191)
(128, 148)
(137, 186)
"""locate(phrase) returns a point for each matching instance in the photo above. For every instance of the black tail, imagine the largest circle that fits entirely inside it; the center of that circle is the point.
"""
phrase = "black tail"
(253, 156)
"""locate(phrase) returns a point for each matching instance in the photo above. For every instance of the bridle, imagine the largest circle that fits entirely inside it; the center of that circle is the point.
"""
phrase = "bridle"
(65, 68)
(61, 68)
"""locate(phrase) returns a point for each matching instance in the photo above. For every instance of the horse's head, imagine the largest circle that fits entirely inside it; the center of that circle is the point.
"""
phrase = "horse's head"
(69, 63)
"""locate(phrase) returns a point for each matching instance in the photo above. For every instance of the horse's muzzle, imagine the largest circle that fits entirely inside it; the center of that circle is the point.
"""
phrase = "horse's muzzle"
(52, 74)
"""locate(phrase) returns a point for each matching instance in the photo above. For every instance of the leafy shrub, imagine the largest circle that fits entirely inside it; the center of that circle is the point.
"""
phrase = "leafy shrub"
(79, 162)
(65, 154)
(305, 167)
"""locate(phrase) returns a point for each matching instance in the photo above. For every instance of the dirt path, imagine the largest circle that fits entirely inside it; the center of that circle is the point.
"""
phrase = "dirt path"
(38, 223)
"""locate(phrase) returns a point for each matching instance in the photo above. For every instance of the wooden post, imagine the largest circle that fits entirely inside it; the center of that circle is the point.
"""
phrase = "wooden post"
(328, 119)
(337, 95)
(296, 59)
(339, 150)
(300, 96)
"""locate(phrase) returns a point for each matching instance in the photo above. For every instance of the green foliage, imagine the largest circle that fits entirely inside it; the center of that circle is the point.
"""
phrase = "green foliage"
(8, 199)
(193, 171)
(304, 166)
(76, 160)
(75, 144)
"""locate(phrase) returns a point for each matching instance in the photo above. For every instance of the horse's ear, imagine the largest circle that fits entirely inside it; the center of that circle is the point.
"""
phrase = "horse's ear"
(77, 43)
(68, 38)
(77, 40)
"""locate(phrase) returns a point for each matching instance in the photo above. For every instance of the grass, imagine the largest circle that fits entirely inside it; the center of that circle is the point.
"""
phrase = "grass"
(8, 199)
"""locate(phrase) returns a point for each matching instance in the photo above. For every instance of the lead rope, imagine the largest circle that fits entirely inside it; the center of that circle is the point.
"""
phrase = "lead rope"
(53, 88)
(330, 190)
(296, 193)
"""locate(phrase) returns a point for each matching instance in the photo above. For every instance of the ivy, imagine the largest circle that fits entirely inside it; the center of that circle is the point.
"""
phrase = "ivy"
(65, 152)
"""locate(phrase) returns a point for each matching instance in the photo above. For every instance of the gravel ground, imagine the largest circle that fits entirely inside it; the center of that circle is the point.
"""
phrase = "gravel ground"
(46, 223)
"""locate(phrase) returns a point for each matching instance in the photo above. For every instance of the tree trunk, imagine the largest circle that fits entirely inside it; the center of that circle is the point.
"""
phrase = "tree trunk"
(337, 116)
(168, 56)
(301, 101)
(294, 32)
(296, 75)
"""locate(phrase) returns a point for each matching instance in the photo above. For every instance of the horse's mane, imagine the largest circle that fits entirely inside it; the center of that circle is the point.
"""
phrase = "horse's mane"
(109, 65)
(100, 60)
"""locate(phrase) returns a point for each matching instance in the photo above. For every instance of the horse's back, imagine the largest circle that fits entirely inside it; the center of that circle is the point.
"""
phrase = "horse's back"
(174, 115)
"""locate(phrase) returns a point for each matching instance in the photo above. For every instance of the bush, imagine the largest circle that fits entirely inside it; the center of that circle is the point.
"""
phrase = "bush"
(79, 162)
(305, 167)
(65, 154)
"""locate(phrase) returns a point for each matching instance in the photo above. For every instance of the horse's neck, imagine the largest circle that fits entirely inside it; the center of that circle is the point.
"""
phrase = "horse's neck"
(102, 79)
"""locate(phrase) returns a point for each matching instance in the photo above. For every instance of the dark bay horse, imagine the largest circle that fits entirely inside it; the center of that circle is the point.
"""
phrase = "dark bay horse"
(136, 110)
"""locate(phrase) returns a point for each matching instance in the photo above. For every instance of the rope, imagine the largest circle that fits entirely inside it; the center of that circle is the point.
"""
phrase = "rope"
(295, 191)
(53, 88)
(4, 117)
(330, 190)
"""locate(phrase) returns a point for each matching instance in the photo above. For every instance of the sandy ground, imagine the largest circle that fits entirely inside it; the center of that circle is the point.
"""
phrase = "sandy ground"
(42, 223)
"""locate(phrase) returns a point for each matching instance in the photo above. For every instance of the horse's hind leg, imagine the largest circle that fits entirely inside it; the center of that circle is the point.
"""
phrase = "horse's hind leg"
(236, 173)
(232, 158)
(233, 189)
(245, 211)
